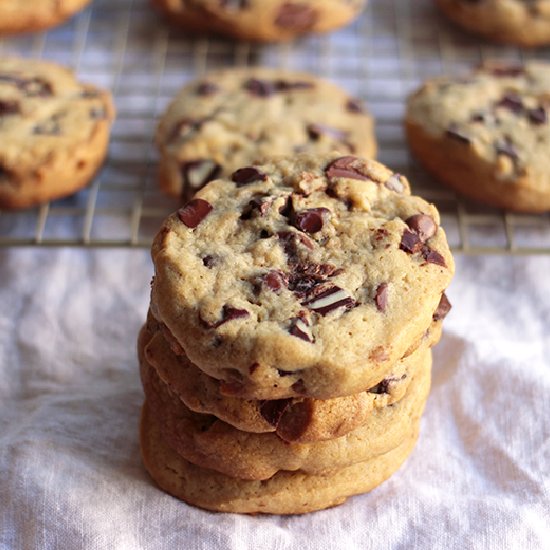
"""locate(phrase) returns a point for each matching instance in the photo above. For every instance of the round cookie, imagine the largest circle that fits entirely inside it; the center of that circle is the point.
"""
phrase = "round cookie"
(232, 118)
(294, 419)
(487, 135)
(25, 15)
(284, 493)
(522, 22)
(305, 276)
(54, 132)
(211, 443)
(260, 20)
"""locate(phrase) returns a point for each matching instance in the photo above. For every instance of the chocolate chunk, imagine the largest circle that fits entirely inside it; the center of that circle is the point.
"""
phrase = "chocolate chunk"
(247, 175)
(410, 242)
(381, 297)
(433, 257)
(423, 225)
(207, 88)
(310, 221)
(229, 313)
(9, 107)
(284, 373)
(36, 87)
(290, 241)
(196, 174)
(296, 16)
(183, 129)
(300, 329)
(381, 387)
(328, 299)
(273, 410)
(394, 183)
(454, 133)
(537, 115)
(256, 206)
(194, 212)
(252, 369)
(287, 86)
(512, 102)
(299, 387)
(442, 309)
(315, 131)
(507, 148)
(275, 280)
(235, 4)
(346, 167)
(304, 277)
(259, 88)
(354, 106)
(295, 419)
(210, 261)
(504, 71)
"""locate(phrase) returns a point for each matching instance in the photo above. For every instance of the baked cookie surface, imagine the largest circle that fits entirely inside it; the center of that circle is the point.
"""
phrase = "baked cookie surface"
(54, 132)
(32, 15)
(284, 493)
(292, 419)
(211, 443)
(522, 22)
(487, 135)
(260, 20)
(232, 118)
(312, 275)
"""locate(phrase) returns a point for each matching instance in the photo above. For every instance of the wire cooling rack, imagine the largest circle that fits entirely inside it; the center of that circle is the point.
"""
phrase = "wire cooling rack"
(381, 58)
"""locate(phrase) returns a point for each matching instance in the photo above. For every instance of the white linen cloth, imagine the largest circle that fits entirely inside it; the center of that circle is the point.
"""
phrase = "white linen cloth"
(70, 470)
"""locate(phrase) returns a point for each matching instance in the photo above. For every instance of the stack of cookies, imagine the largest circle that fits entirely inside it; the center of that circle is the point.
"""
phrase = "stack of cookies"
(286, 357)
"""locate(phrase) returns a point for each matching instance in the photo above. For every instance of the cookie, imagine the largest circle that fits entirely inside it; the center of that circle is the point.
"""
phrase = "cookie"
(54, 132)
(25, 16)
(487, 135)
(306, 276)
(211, 443)
(294, 419)
(232, 118)
(260, 20)
(521, 22)
(284, 493)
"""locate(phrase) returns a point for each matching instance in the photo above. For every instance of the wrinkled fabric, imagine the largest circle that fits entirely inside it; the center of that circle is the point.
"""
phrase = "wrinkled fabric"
(70, 470)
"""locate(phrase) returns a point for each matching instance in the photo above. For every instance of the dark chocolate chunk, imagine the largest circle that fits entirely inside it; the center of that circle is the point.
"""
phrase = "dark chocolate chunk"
(290, 241)
(287, 86)
(183, 129)
(354, 106)
(538, 115)
(423, 225)
(36, 87)
(310, 221)
(433, 256)
(9, 107)
(247, 175)
(512, 102)
(328, 299)
(257, 206)
(194, 212)
(304, 277)
(381, 297)
(410, 242)
(381, 387)
(346, 167)
(300, 329)
(273, 410)
(507, 148)
(442, 309)
(394, 183)
(210, 261)
(296, 16)
(259, 88)
(275, 280)
(295, 419)
(207, 88)
(229, 313)
(504, 71)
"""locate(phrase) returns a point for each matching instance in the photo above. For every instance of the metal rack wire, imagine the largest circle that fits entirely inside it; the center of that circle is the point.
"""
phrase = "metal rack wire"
(381, 58)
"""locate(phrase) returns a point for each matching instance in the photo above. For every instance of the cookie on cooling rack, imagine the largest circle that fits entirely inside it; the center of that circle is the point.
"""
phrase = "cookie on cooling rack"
(234, 117)
(294, 419)
(487, 135)
(284, 493)
(32, 15)
(54, 132)
(260, 20)
(526, 23)
(307, 276)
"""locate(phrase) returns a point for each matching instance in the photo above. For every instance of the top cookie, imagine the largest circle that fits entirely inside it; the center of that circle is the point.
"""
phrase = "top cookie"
(54, 132)
(314, 274)
(261, 20)
(487, 135)
(235, 117)
(522, 22)
(25, 15)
